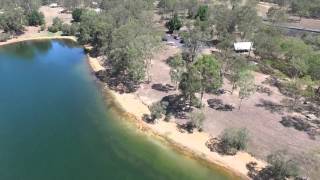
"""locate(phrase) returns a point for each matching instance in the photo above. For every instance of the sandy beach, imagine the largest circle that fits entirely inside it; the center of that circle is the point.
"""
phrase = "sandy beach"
(192, 143)
(21, 39)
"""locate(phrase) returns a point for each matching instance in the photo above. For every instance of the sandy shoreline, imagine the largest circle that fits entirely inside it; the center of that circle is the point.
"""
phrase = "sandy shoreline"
(16, 40)
(189, 144)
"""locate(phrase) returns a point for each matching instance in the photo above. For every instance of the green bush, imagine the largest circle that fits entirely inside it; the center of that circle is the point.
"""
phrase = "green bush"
(56, 25)
(42, 27)
(35, 18)
(69, 30)
(174, 24)
(280, 168)
(197, 119)
(158, 109)
(53, 29)
(4, 37)
(233, 140)
(65, 29)
(76, 14)
(203, 13)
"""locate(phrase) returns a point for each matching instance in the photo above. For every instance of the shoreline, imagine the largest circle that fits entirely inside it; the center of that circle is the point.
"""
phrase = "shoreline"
(132, 108)
(17, 40)
(191, 145)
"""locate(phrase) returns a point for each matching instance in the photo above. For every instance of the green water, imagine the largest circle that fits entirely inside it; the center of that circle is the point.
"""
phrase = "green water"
(54, 124)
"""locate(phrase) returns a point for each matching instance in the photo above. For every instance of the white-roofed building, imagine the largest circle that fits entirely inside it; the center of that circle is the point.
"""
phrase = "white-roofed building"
(53, 5)
(243, 46)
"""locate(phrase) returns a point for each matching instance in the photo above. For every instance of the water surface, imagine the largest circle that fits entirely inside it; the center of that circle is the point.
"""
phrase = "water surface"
(54, 124)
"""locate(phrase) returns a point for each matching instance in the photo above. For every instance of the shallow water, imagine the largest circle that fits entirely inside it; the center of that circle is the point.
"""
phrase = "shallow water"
(54, 124)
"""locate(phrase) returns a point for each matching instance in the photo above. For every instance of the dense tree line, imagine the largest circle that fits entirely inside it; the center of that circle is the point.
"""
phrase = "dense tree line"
(18, 13)
(124, 34)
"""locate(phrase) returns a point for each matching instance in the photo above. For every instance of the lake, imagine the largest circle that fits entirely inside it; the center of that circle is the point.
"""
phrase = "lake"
(55, 124)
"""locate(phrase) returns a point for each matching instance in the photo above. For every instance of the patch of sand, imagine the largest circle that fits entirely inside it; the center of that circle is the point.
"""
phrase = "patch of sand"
(29, 38)
(195, 143)
(95, 64)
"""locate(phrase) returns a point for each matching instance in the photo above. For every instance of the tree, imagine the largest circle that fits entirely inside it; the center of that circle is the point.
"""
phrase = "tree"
(280, 167)
(69, 30)
(314, 66)
(246, 85)
(193, 38)
(190, 84)
(191, 6)
(233, 140)
(174, 24)
(203, 13)
(169, 6)
(297, 53)
(35, 18)
(248, 21)
(125, 36)
(56, 25)
(12, 21)
(158, 109)
(209, 70)
(277, 15)
(178, 67)
(76, 14)
(238, 66)
(267, 43)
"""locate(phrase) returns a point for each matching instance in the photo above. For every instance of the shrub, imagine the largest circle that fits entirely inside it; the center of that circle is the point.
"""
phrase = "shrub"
(42, 27)
(197, 119)
(70, 30)
(56, 25)
(233, 140)
(35, 18)
(76, 14)
(53, 29)
(4, 37)
(202, 13)
(66, 29)
(174, 24)
(158, 109)
(279, 167)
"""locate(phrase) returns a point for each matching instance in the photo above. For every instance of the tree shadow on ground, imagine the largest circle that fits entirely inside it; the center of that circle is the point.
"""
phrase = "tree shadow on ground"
(216, 145)
(163, 87)
(120, 83)
(263, 90)
(218, 105)
(271, 106)
(177, 106)
(302, 124)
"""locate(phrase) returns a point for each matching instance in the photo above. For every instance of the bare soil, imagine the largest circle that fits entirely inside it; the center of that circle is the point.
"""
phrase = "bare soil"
(267, 133)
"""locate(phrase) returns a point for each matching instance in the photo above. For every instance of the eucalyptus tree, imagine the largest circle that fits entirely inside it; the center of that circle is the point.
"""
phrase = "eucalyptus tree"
(238, 68)
(297, 53)
(190, 84)
(209, 70)
(178, 67)
(12, 21)
(246, 85)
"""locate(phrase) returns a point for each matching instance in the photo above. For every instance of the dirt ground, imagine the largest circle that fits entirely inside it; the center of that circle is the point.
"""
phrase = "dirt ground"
(51, 13)
(267, 134)
(306, 23)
